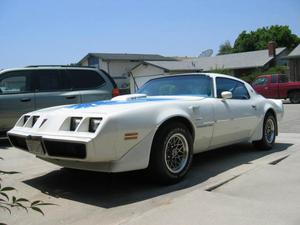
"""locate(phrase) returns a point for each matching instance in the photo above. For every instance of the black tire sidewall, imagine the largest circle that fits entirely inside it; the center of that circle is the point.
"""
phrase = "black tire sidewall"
(293, 98)
(157, 159)
(266, 143)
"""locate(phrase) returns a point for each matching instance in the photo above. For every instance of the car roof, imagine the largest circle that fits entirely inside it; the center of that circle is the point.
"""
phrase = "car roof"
(47, 67)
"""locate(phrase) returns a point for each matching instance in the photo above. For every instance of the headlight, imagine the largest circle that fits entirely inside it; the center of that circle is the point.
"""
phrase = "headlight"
(74, 123)
(94, 124)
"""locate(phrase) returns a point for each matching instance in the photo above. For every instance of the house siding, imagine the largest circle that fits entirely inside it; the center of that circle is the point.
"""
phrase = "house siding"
(294, 69)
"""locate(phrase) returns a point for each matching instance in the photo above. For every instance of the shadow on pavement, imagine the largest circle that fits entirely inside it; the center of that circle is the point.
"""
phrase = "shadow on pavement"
(111, 190)
(4, 143)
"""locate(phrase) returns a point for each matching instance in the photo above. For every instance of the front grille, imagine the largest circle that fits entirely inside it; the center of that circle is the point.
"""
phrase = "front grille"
(19, 142)
(65, 149)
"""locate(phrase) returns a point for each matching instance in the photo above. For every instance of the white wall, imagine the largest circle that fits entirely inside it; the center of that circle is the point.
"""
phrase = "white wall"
(120, 68)
(143, 73)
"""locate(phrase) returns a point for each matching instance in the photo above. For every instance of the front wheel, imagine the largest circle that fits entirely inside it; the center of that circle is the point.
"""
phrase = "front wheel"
(171, 153)
(269, 133)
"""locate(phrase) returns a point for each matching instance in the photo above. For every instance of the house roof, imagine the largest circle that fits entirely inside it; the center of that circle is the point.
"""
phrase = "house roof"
(295, 53)
(241, 60)
(176, 65)
(125, 56)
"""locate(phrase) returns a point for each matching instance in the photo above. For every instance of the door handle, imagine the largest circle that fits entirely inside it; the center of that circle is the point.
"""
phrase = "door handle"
(254, 106)
(70, 97)
(25, 99)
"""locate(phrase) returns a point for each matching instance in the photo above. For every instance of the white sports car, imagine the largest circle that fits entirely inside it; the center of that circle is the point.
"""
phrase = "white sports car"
(160, 128)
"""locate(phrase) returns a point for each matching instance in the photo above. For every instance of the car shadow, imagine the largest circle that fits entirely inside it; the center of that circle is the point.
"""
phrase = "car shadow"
(112, 190)
(4, 143)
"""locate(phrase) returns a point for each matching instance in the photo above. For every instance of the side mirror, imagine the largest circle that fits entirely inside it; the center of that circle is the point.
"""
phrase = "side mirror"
(226, 95)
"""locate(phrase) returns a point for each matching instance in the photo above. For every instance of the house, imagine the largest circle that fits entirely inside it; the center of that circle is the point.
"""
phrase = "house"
(118, 65)
(294, 64)
(236, 64)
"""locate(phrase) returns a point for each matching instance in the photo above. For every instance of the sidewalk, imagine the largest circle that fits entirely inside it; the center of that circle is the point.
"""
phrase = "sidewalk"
(268, 195)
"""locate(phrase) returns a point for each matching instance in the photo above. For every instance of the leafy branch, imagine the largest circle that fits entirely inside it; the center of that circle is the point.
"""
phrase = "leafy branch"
(8, 201)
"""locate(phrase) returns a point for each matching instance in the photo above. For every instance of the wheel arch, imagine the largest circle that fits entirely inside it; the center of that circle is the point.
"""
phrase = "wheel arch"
(291, 91)
(177, 118)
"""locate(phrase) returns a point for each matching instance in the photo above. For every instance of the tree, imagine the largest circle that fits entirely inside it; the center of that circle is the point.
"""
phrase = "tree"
(259, 39)
(225, 48)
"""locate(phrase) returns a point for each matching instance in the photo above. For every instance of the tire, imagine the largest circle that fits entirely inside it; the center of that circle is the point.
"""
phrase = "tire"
(294, 97)
(170, 163)
(269, 133)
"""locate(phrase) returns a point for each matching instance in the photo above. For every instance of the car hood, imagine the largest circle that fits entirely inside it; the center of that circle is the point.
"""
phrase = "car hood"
(119, 104)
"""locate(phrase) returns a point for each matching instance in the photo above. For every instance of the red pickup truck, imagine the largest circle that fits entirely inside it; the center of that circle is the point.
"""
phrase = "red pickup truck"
(277, 86)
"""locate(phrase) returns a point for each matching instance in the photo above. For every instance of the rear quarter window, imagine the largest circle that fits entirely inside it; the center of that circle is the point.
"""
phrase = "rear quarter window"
(85, 79)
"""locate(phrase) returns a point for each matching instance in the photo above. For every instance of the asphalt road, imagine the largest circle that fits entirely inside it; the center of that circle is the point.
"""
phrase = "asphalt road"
(233, 185)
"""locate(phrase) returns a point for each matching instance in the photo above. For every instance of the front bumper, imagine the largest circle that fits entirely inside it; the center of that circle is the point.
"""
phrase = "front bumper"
(51, 148)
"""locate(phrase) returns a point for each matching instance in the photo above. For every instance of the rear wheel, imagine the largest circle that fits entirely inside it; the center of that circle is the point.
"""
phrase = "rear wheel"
(269, 133)
(171, 153)
(295, 97)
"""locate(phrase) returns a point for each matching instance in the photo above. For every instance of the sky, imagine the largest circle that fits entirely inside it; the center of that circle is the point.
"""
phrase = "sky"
(36, 32)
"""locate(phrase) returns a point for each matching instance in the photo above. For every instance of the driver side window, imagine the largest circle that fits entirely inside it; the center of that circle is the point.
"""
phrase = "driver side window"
(238, 89)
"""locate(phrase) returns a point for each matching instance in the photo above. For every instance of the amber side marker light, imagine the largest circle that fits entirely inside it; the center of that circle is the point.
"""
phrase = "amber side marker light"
(131, 136)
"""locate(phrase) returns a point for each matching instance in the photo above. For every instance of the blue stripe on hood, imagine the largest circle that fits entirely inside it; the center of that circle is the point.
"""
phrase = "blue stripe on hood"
(121, 102)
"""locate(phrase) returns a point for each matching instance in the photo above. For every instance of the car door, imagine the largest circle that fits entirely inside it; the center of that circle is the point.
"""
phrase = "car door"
(91, 85)
(51, 89)
(16, 97)
(235, 118)
(271, 90)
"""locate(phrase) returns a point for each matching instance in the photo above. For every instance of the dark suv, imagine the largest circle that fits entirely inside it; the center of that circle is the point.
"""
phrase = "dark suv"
(35, 87)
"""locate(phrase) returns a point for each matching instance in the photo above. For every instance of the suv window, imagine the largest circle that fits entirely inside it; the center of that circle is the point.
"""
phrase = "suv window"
(260, 81)
(47, 80)
(15, 82)
(85, 79)
(238, 89)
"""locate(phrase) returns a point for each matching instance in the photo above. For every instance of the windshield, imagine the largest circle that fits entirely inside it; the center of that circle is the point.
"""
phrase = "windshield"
(200, 85)
(260, 81)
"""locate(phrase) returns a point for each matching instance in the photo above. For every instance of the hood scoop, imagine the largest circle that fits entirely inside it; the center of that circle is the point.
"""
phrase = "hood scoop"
(129, 97)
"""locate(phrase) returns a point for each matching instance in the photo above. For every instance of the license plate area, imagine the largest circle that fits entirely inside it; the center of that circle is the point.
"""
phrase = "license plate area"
(35, 145)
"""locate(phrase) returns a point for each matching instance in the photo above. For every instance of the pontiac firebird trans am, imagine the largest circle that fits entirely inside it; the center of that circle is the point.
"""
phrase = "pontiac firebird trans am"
(159, 128)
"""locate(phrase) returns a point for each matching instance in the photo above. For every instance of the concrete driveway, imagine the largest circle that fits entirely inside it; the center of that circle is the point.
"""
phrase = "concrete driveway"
(233, 185)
